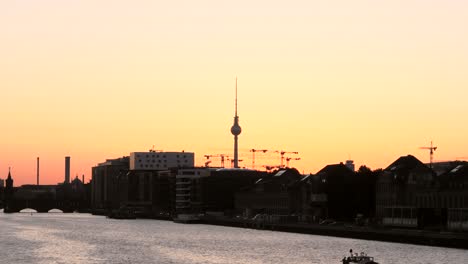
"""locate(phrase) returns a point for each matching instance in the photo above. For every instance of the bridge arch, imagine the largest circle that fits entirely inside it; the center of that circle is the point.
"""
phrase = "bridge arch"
(55, 210)
(28, 210)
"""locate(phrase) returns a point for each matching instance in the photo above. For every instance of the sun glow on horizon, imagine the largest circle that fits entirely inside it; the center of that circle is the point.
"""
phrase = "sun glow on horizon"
(336, 80)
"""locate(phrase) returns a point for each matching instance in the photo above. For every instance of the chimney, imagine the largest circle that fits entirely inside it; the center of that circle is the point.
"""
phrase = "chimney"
(37, 170)
(67, 169)
(82, 178)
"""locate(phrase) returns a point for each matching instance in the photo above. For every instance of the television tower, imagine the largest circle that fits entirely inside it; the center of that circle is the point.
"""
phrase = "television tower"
(236, 130)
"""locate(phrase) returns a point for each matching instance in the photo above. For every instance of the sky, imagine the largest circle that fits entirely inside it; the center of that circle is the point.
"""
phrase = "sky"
(333, 80)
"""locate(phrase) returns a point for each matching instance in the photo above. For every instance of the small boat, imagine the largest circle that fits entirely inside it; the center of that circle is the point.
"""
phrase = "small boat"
(186, 218)
(358, 258)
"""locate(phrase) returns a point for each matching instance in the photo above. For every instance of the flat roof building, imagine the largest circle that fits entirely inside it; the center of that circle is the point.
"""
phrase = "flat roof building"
(154, 160)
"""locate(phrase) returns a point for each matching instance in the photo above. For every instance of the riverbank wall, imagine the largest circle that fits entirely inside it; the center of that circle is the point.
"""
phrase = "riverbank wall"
(386, 234)
(408, 236)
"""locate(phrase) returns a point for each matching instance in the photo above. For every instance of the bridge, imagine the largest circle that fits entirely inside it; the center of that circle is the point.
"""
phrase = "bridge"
(42, 198)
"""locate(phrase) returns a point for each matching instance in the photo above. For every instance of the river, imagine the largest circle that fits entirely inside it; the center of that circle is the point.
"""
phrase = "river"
(83, 238)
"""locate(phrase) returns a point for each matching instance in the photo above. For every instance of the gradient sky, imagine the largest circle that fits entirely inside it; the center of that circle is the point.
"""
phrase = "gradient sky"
(366, 80)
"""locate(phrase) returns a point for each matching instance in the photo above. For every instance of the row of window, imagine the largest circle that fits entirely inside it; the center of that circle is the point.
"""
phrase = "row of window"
(159, 161)
(441, 201)
(458, 215)
(157, 155)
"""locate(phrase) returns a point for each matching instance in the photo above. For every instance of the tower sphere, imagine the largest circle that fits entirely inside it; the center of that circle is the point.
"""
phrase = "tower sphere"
(236, 129)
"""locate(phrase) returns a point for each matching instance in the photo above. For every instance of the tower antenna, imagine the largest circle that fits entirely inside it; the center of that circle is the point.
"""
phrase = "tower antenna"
(236, 95)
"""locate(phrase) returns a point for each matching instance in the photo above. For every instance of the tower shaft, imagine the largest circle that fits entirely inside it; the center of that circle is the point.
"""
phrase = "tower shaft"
(236, 155)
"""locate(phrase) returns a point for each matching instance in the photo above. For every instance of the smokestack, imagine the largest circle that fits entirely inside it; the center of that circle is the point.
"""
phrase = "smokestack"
(37, 170)
(82, 178)
(67, 169)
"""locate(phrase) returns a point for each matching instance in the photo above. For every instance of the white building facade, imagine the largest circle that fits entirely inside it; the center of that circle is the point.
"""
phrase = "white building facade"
(154, 160)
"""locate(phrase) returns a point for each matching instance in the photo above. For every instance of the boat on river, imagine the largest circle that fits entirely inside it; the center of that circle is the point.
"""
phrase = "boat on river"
(186, 218)
(362, 258)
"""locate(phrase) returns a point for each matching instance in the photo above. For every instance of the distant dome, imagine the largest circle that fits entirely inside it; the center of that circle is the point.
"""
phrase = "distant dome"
(76, 181)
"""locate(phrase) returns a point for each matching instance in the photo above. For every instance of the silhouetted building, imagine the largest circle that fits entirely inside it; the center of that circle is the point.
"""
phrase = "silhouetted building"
(209, 191)
(219, 189)
(151, 181)
(276, 194)
(398, 188)
(77, 194)
(314, 198)
(410, 194)
(108, 184)
(445, 203)
(151, 193)
(339, 184)
(188, 195)
(337, 192)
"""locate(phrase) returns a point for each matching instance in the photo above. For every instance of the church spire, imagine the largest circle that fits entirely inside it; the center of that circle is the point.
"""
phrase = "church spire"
(9, 180)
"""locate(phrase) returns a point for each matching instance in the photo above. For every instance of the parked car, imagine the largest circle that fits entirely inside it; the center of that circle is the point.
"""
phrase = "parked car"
(327, 222)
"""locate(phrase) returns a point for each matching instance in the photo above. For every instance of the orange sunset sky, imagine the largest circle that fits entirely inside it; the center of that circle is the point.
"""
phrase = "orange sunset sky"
(367, 80)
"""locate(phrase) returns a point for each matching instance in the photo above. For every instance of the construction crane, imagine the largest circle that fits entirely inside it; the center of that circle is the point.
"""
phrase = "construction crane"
(232, 161)
(288, 159)
(222, 156)
(282, 152)
(253, 155)
(431, 153)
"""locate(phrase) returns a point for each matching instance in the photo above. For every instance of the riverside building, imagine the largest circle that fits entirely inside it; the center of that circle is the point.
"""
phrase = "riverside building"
(155, 160)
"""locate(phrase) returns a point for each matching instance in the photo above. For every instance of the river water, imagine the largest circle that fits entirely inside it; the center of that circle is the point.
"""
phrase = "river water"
(84, 238)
